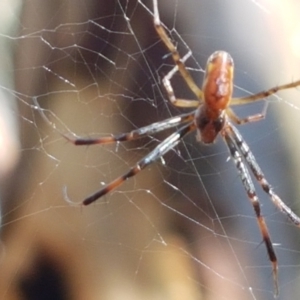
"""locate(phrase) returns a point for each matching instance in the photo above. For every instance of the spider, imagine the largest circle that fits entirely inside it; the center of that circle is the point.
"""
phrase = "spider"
(212, 116)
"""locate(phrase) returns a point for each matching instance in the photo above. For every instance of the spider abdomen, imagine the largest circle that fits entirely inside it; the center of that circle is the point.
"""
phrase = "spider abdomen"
(218, 81)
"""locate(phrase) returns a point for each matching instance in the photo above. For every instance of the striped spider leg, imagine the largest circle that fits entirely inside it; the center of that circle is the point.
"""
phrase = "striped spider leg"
(186, 121)
(241, 153)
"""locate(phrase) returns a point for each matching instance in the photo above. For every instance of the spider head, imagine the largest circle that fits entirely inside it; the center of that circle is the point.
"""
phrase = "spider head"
(218, 81)
(208, 128)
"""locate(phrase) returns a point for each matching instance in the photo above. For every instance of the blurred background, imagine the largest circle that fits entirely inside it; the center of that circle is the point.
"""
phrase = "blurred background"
(184, 227)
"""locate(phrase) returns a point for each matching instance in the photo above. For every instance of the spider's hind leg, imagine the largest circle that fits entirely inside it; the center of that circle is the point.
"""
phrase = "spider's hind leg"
(179, 64)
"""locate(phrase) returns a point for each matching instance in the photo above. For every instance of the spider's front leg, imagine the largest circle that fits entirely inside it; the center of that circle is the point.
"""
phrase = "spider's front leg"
(234, 150)
(134, 134)
(165, 146)
(260, 177)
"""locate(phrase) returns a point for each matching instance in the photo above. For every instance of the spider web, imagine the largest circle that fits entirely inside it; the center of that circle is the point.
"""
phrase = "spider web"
(182, 228)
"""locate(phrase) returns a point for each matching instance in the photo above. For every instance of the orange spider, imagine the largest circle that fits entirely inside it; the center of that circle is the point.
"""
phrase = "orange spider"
(211, 117)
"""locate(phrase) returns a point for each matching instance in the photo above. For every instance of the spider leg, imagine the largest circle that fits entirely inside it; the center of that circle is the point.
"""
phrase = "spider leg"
(264, 94)
(176, 56)
(253, 118)
(136, 134)
(249, 187)
(260, 177)
(166, 145)
(171, 95)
